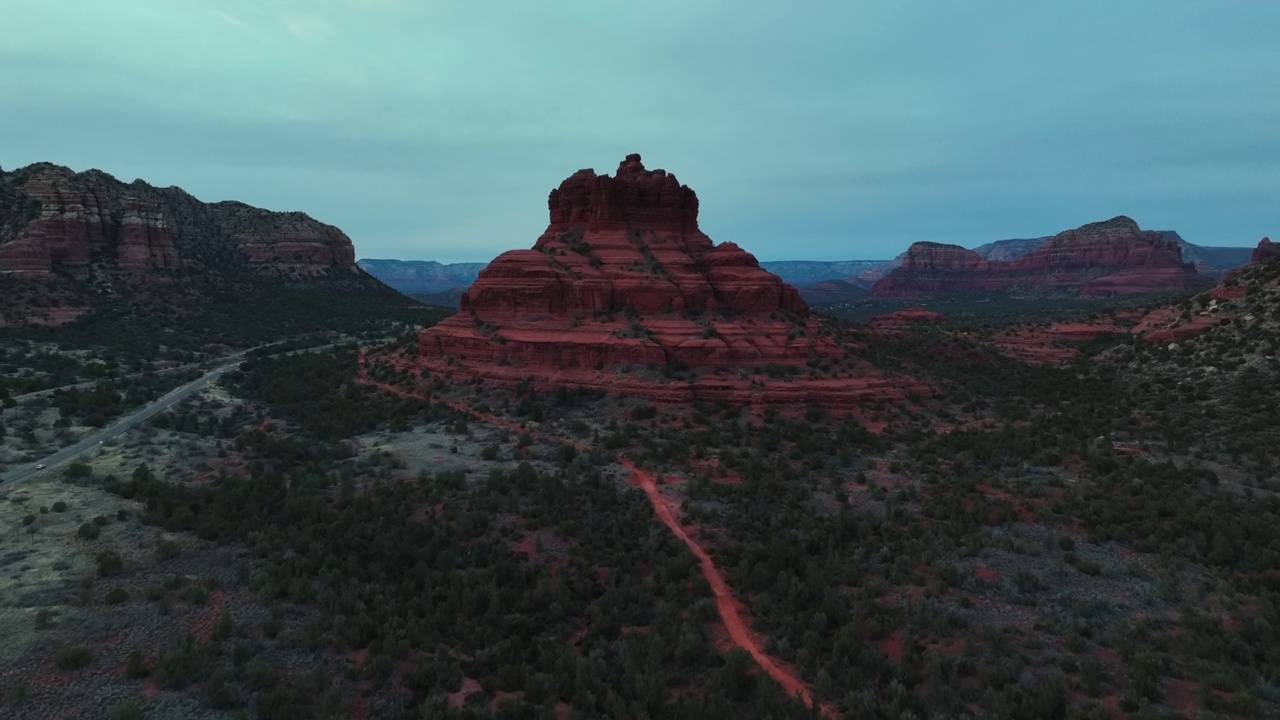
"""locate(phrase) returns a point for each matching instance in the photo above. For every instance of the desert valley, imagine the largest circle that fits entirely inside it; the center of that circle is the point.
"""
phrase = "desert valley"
(707, 360)
(632, 473)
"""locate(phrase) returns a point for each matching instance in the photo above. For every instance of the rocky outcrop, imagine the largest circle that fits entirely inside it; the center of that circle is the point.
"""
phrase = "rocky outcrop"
(1115, 257)
(626, 244)
(625, 293)
(936, 269)
(55, 217)
(1209, 260)
(1265, 251)
(900, 320)
(82, 219)
(1247, 298)
(77, 242)
(1059, 342)
(291, 242)
(145, 238)
(1006, 250)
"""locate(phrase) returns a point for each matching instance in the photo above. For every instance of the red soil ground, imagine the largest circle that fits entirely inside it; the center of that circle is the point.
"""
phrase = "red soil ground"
(202, 629)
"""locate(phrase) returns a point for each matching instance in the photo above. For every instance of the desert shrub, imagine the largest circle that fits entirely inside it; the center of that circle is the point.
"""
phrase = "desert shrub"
(18, 693)
(78, 470)
(109, 564)
(167, 550)
(182, 665)
(136, 666)
(73, 657)
(128, 710)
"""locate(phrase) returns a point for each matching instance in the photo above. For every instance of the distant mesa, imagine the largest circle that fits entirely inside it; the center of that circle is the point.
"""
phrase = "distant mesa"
(1102, 259)
(818, 282)
(624, 284)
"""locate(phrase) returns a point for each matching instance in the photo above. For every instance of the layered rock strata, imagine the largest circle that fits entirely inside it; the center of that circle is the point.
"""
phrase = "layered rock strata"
(1114, 257)
(53, 217)
(625, 293)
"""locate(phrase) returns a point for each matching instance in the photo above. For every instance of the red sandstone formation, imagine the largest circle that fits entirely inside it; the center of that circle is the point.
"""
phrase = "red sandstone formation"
(897, 321)
(145, 237)
(1057, 343)
(53, 217)
(623, 283)
(1167, 325)
(1219, 305)
(936, 269)
(1115, 257)
(78, 221)
(290, 242)
(1265, 251)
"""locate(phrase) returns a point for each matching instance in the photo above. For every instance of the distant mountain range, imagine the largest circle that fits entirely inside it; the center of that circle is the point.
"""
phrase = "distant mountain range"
(422, 276)
(819, 282)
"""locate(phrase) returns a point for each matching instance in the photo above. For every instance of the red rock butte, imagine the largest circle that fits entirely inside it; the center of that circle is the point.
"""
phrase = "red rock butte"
(1265, 251)
(1114, 257)
(623, 282)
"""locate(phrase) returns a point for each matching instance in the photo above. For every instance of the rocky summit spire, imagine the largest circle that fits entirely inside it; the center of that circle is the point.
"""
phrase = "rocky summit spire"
(634, 195)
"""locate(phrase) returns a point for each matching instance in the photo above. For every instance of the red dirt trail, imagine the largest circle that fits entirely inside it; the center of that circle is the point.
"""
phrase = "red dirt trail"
(727, 604)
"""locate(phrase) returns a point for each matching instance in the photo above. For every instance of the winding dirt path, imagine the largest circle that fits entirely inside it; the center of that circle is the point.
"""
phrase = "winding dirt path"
(727, 604)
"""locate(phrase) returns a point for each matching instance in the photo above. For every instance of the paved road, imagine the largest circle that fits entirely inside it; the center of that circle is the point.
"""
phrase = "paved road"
(237, 357)
(90, 383)
(16, 477)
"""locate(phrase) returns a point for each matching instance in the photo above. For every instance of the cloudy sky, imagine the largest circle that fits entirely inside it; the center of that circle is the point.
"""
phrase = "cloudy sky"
(814, 129)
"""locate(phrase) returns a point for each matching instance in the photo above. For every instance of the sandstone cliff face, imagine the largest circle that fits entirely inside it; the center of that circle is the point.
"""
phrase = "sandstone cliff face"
(937, 269)
(291, 242)
(92, 218)
(77, 242)
(1265, 251)
(1114, 257)
(623, 279)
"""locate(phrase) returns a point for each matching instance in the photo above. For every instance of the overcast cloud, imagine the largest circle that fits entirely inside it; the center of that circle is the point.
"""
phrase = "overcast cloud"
(433, 129)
